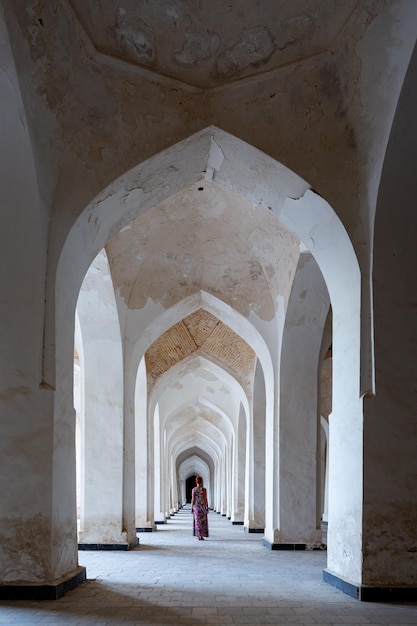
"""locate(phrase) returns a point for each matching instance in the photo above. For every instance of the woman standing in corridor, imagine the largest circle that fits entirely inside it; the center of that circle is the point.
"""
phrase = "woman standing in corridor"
(199, 509)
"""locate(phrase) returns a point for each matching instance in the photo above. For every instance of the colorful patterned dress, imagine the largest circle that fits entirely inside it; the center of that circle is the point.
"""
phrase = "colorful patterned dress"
(199, 508)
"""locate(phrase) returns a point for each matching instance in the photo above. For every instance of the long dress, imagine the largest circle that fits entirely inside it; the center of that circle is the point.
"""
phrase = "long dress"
(199, 504)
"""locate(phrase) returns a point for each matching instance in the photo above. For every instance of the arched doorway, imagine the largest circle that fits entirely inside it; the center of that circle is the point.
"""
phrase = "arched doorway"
(189, 486)
(308, 219)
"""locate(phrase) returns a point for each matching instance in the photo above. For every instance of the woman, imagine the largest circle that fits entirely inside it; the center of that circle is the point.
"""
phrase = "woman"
(199, 508)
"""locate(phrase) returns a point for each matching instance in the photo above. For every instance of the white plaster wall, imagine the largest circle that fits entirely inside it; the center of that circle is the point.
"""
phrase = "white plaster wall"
(26, 405)
(390, 427)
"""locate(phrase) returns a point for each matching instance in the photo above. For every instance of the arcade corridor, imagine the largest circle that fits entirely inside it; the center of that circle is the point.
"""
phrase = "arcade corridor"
(231, 578)
(209, 266)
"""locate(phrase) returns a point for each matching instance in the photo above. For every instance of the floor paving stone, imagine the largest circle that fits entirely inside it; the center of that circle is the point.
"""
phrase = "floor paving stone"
(230, 578)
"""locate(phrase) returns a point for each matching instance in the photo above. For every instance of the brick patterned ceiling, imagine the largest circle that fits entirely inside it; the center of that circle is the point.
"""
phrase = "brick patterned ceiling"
(203, 332)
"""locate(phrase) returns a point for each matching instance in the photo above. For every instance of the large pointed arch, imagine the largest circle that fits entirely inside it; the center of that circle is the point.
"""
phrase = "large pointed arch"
(214, 155)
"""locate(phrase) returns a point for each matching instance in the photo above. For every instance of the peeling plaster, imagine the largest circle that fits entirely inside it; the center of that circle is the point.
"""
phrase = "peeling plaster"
(386, 556)
(20, 538)
(197, 48)
(247, 267)
(254, 48)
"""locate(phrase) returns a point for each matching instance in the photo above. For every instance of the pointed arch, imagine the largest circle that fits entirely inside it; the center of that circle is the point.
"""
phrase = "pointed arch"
(214, 155)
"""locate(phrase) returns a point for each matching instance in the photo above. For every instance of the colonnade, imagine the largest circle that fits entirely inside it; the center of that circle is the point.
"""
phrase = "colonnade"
(259, 445)
(178, 433)
(176, 301)
(142, 431)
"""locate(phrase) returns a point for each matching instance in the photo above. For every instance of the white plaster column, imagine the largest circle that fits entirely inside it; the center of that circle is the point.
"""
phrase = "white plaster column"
(272, 448)
(143, 521)
(325, 454)
(255, 470)
(229, 456)
(228, 467)
(165, 475)
(239, 471)
(257, 522)
(181, 492)
(222, 486)
(324, 235)
(128, 505)
(307, 310)
(102, 518)
(248, 514)
(37, 520)
(173, 486)
(218, 506)
(390, 424)
(158, 503)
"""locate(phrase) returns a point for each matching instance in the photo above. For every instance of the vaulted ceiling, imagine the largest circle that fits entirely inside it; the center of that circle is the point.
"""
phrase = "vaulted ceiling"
(201, 331)
(208, 44)
(109, 84)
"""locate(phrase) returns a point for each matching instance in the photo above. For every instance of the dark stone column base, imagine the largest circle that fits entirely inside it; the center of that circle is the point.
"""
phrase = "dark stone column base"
(43, 592)
(109, 546)
(366, 593)
(254, 530)
(283, 546)
(237, 523)
(145, 529)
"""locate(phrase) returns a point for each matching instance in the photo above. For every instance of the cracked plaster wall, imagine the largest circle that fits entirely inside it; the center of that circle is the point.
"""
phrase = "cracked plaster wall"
(390, 427)
(106, 112)
(193, 246)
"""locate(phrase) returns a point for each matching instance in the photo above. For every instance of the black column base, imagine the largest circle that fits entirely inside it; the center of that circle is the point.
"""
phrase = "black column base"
(365, 593)
(283, 546)
(43, 592)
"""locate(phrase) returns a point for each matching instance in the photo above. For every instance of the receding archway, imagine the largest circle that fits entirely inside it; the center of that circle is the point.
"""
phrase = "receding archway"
(213, 155)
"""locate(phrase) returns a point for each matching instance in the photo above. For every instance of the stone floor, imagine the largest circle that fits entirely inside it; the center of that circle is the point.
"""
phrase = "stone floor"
(230, 578)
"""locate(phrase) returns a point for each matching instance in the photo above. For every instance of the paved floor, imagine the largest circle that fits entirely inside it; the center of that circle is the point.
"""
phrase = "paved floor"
(230, 578)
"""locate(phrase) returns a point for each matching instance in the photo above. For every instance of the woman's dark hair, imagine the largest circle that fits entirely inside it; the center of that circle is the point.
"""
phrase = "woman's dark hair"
(199, 481)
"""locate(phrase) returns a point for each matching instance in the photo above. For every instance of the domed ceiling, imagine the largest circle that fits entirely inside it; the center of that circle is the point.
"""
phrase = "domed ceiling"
(214, 42)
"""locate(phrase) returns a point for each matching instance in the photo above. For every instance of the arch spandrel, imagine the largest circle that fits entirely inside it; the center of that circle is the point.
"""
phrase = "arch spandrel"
(243, 169)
